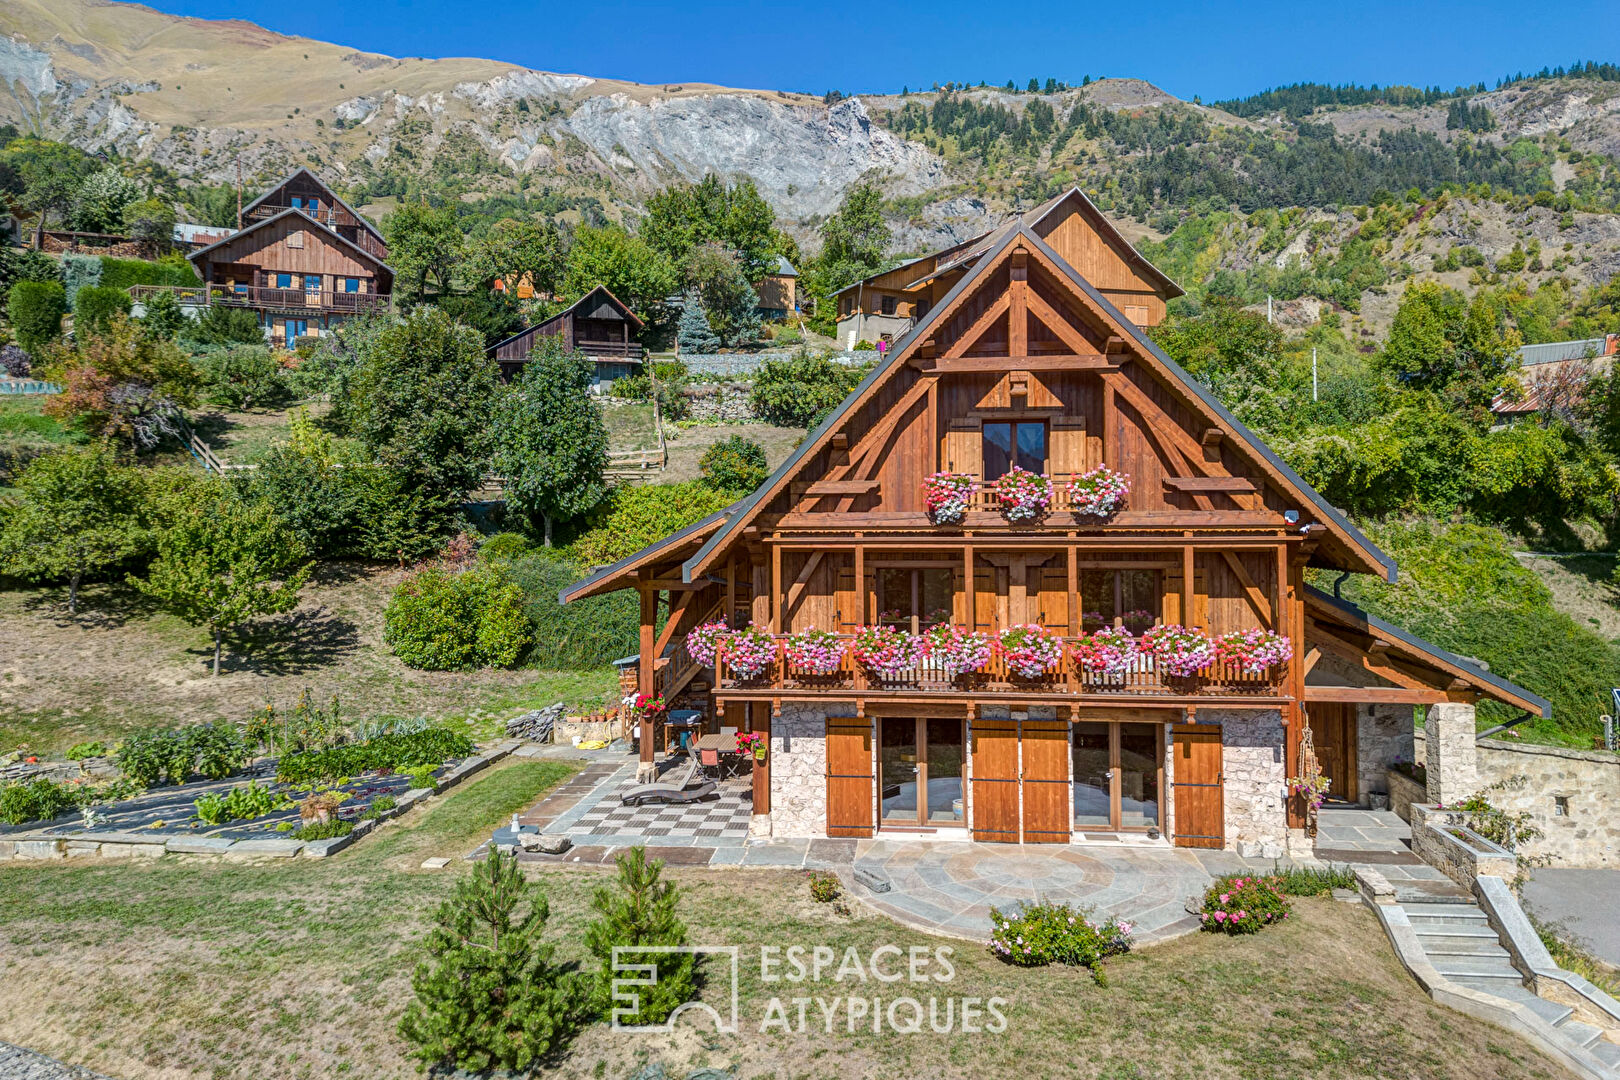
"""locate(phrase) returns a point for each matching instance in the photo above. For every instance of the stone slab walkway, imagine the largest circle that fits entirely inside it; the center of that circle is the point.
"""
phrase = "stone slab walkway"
(1381, 841)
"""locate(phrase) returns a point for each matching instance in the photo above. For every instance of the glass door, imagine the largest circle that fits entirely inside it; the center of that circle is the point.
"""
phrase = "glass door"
(920, 771)
(942, 793)
(899, 770)
(1138, 768)
(1118, 774)
(1091, 747)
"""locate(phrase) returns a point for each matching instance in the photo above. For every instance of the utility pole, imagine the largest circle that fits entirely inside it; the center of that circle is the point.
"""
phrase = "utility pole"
(1313, 372)
(1268, 309)
(238, 194)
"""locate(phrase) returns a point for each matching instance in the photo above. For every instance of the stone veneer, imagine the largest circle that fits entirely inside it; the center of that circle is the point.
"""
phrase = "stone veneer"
(1383, 737)
(1449, 752)
(799, 770)
(1255, 774)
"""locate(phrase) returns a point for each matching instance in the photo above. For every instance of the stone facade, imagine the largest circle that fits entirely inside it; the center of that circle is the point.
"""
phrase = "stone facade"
(1255, 768)
(799, 770)
(1449, 752)
(1582, 830)
(1383, 737)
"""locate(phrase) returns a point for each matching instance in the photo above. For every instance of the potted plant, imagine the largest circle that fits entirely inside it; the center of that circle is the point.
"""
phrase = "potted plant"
(814, 652)
(1022, 495)
(319, 808)
(1254, 651)
(1180, 651)
(1030, 650)
(947, 495)
(702, 641)
(957, 649)
(1098, 493)
(1109, 651)
(887, 651)
(752, 742)
(747, 653)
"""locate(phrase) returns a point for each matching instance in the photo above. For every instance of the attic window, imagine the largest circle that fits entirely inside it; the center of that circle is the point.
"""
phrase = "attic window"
(295, 240)
(889, 304)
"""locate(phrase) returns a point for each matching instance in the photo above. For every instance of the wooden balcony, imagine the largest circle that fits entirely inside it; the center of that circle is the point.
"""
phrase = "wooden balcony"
(629, 350)
(259, 296)
(1063, 681)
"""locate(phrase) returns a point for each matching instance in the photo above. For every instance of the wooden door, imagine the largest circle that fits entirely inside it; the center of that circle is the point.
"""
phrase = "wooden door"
(1333, 733)
(994, 801)
(849, 777)
(1200, 811)
(1047, 804)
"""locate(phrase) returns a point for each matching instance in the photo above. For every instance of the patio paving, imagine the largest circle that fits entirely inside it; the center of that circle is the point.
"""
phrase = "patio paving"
(1379, 840)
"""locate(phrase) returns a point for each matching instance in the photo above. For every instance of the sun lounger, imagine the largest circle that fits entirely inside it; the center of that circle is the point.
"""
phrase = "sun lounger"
(685, 785)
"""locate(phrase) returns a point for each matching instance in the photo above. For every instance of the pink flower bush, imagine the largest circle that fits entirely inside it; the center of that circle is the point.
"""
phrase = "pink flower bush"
(1030, 650)
(1098, 493)
(948, 495)
(887, 651)
(1243, 904)
(957, 649)
(1109, 651)
(1022, 495)
(701, 641)
(1180, 650)
(1254, 650)
(748, 652)
(814, 652)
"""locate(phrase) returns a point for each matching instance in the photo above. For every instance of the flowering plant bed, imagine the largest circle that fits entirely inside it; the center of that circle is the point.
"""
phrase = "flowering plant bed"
(1109, 651)
(958, 650)
(1030, 650)
(1098, 493)
(1180, 650)
(702, 641)
(814, 652)
(886, 651)
(1243, 904)
(947, 495)
(1022, 495)
(748, 652)
(1254, 651)
(1044, 933)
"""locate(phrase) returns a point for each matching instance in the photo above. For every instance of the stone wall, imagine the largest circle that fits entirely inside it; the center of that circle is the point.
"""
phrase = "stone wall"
(1383, 737)
(721, 403)
(1583, 831)
(1448, 754)
(799, 771)
(1403, 792)
(1255, 776)
(1458, 852)
(748, 363)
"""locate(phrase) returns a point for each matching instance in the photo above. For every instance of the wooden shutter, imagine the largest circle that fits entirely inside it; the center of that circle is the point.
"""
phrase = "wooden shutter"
(994, 805)
(985, 598)
(1068, 449)
(1172, 598)
(848, 608)
(964, 452)
(1052, 589)
(849, 777)
(1200, 808)
(1048, 806)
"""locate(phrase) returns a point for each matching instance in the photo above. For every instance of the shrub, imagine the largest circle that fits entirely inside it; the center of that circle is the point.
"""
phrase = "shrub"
(735, 465)
(798, 391)
(96, 307)
(1313, 880)
(222, 325)
(441, 621)
(1045, 933)
(585, 634)
(824, 887)
(505, 547)
(81, 751)
(379, 806)
(173, 269)
(243, 376)
(631, 517)
(490, 995)
(36, 309)
(163, 318)
(39, 799)
(79, 272)
(641, 911)
(420, 750)
(239, 804)
(1243, 904)
(15, 361)
(323, 830)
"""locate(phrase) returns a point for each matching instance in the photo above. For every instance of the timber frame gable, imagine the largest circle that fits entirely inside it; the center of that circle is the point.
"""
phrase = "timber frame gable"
(1021, 317)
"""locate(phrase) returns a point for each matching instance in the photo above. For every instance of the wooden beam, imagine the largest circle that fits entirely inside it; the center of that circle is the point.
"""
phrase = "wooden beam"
(1384, 695)
(1018, 293)
(731, 592)
(860, 585)
(1074, 592)
(776, 589)
(967, 586)
(1257, 598)
(644, 666)
(1210, 484)
(1188, 580)
(821, 488)
(1311, 658)
(1063, 328)
(981, 365)
(1359, 657)
(1110, 406)
(980, 325)
(796, 590)
(931, 425)
(988, 519)
(674, 620)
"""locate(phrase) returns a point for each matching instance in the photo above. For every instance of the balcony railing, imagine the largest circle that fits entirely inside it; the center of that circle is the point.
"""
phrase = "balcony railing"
(630, 350)
(261, 296)
(1064, 678)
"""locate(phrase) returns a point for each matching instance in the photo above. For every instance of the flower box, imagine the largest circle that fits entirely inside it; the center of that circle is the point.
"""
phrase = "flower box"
(814, 652)
(947, 496)
(1022, 495)
(747, 653)
(1098, 493)
(701, 641)
(956, 650)
(1254, 651)
(1179, 650)
(886, 651)
(1030, 650)
(1109, 651)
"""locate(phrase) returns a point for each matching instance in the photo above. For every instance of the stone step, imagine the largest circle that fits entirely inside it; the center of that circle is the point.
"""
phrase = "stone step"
(1428, 893)
(1456, 929)
(1448, 910)
(1478, 967)
(1550, 1011)
(1454, 945)
(1580, 1033)
(1606, 1052)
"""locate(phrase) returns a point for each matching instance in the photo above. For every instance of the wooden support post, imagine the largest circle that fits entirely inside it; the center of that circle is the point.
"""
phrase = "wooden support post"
(1291, 618)
(967, 584)
(1110, 447)
(760, 610)
(1018, 306)
(645, 675)
(932, 425)
(860, 585)
(776, 589)
(1074, 593)
(731, 592)
(759, 720)
(1189, 576)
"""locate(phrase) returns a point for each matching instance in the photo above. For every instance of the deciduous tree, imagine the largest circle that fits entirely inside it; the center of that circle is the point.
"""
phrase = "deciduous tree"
(424, 244)
(121, 383)
(632, 270)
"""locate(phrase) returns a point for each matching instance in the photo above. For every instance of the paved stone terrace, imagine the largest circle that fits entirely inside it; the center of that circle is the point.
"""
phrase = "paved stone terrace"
(1380, 840)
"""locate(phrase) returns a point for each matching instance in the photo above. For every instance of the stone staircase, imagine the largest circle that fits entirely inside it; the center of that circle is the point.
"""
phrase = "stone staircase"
(1456, 937)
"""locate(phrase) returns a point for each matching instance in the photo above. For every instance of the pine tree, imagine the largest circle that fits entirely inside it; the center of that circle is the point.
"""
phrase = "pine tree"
(693, 333)
(641, 912)
(492, 996)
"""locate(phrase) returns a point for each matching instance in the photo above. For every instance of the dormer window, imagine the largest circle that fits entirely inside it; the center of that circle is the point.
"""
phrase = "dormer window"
(1007, 444)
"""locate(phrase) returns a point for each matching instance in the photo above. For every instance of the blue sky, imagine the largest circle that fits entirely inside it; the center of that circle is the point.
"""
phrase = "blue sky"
(1215, 50)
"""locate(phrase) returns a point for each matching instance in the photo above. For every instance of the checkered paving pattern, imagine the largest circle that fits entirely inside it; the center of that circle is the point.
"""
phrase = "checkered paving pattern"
(721, 816)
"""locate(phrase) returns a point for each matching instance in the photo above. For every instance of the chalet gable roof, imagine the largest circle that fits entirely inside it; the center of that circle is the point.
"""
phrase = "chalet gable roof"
(1198, 395)
(304, 220)
(587, 307)
(304, 170)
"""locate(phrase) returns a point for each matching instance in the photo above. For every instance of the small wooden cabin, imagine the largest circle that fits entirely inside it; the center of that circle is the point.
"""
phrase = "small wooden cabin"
(778, 291)
(598, 324)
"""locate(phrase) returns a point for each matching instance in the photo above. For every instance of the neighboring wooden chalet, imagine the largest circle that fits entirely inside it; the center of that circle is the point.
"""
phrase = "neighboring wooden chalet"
(778, 291)
(303, 261)
(598, 324)
(1024, 361)
(1552, 376)
(885, 306)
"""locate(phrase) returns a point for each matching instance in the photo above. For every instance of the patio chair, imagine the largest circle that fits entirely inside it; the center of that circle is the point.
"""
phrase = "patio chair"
(684, 786)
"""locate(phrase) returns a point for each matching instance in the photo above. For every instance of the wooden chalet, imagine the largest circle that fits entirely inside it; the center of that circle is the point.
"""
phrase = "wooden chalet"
(1024, 360)
(885, 306)
(598, 324)
(303, 261)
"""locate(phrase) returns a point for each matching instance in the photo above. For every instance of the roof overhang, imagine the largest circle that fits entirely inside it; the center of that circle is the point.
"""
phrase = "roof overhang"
(304, 219)
(622, 574)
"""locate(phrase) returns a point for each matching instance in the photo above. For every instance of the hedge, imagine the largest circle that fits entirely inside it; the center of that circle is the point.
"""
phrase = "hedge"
(122, 273)
(36, 310)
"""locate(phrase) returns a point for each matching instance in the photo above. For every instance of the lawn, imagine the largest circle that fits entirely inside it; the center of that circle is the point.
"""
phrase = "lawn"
(118, 665)
(181, 969)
